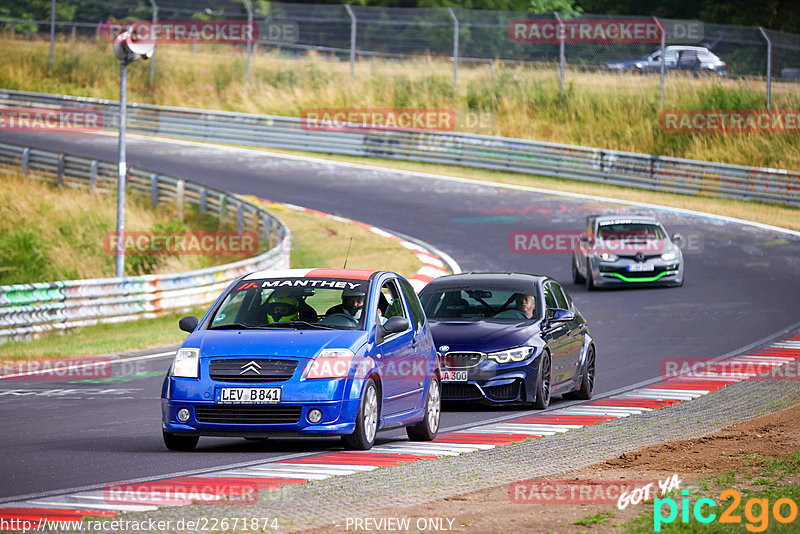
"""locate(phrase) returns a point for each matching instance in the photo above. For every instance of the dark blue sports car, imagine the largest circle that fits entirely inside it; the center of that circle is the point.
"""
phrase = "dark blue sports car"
(305, 351)
(509, 338)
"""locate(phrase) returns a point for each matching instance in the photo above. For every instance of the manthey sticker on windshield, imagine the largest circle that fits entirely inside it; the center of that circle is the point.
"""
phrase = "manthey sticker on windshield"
(326, 283)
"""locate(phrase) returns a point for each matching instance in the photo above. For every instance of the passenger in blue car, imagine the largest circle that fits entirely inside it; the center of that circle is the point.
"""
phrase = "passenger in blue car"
(352, 303)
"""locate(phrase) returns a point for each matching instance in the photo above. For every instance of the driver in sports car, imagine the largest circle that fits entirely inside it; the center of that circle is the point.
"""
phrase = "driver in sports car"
(352, 303)
(284, 308)
(525, 303)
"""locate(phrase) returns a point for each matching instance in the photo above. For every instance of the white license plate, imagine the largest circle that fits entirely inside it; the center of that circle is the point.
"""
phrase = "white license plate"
(640, 267)
(248, 396)
(454, 376)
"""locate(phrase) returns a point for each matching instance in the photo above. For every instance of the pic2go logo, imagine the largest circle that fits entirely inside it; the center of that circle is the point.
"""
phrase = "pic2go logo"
(756, 511)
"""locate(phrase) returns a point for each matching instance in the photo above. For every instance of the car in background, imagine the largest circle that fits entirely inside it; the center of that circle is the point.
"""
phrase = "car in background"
(676, 57)
(288, 352)
(627, 251)
(508, 338)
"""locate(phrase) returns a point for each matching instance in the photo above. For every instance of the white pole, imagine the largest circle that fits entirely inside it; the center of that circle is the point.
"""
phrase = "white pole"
(455, 47)
(122, 168)
(153, 57)
(353, 22)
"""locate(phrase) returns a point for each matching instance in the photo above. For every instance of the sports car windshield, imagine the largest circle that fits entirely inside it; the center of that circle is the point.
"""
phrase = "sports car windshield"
(293, 303)
(475, 304)
(627, 231)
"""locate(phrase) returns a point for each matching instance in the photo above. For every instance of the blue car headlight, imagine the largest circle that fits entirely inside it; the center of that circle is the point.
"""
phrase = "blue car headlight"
(330, 363)
(186, 363)
(511, 355)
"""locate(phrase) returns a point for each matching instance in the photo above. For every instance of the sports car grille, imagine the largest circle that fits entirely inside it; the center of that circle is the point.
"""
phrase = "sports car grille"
(460, 391)
(461, 360)
(624, 271)
(247, 415)
(252, 369)
(504, 392)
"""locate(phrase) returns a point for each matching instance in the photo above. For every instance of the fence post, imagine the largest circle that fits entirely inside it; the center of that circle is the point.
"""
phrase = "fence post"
(74, 31)
(249, 43)
(52, 34)
(179, 189)
(769, 66)
(60, 177)
(561, 37)
(223, 208)
(203, 200)
(239, 217)
(26, 159)
(455, 47)
(93, 175)
(154, 189)
(663, 60)
(154, 6)
(353, 22)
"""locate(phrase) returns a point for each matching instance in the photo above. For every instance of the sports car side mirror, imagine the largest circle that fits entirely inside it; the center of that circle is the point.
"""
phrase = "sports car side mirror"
(584, 238)
(188, 323)
(677, 238)
(393, 325)
(559, 315)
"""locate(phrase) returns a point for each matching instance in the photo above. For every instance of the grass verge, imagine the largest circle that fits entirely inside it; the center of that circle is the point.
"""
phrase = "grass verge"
(596, 109)
(317, 241)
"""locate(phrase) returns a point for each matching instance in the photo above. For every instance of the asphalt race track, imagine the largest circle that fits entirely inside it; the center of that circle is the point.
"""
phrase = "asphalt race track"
(742, 285)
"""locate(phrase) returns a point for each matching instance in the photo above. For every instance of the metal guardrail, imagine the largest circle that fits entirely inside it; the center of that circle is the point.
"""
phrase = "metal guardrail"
(643, 171)
(29, 309)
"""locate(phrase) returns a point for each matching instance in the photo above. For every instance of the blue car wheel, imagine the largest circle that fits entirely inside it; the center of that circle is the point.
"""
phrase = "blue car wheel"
(366, 420)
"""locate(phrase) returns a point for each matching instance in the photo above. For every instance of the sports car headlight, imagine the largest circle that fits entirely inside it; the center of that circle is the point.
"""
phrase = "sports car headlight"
(186, 363)
(607, 256)
(330, 363)
(511, 355)
(670, 256)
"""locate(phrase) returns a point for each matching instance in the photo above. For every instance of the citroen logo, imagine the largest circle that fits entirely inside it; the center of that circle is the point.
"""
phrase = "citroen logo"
(252, 367)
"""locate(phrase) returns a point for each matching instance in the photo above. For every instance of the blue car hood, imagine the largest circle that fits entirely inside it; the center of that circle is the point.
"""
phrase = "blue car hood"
(292, 343)
(483, 336)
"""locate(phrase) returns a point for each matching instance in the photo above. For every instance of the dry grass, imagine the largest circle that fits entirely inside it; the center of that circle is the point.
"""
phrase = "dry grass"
(602, 110)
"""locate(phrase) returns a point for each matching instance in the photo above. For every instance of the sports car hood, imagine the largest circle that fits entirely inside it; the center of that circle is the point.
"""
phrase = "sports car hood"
(483, 336)
(292, 343)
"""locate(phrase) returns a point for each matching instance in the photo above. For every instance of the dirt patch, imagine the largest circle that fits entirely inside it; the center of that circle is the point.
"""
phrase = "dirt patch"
(739, 448)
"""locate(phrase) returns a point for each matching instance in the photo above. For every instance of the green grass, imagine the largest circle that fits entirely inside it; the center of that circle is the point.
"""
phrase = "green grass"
(316, 242)
(600, 518)
(597, 109)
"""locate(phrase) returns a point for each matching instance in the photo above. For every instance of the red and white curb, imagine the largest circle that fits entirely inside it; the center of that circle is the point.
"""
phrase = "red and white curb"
(435, 263)
(232, 485)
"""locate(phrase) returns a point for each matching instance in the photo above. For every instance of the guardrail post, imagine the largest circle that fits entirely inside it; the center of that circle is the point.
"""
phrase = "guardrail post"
(52, 34)
(60, 177)
(249, 43)
(203, 200)
(179, 189)
(353, 23)
(26, 159)
(561, 38)
(769, 66)
(93, 175)
(153, 57)
(74, 30)
(239, 217)
(154, 189)
(455, 47)
(223, 208)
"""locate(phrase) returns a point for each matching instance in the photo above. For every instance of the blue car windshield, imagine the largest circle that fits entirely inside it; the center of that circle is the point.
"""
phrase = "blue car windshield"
(475, 304)
(293, 303)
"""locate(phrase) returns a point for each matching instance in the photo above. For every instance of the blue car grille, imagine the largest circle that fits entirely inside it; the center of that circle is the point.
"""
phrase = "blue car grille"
(247, 415)
(460, 391)
(252, 369)
(505, 392)
(461, 360)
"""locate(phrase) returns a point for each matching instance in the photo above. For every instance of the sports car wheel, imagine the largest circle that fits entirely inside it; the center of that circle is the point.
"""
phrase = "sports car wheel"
(427, 429)
(177, 442)
(367, 420)
(576, 276)
(587, 379)
(543, 383)
(589, 278)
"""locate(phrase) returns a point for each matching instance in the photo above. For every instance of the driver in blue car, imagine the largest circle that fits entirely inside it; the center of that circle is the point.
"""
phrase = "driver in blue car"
(282, 308)
(352, 303)
(525, 303)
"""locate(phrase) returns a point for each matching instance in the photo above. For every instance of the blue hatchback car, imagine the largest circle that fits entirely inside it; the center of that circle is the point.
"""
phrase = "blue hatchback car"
(305, 351)
(509, 338)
